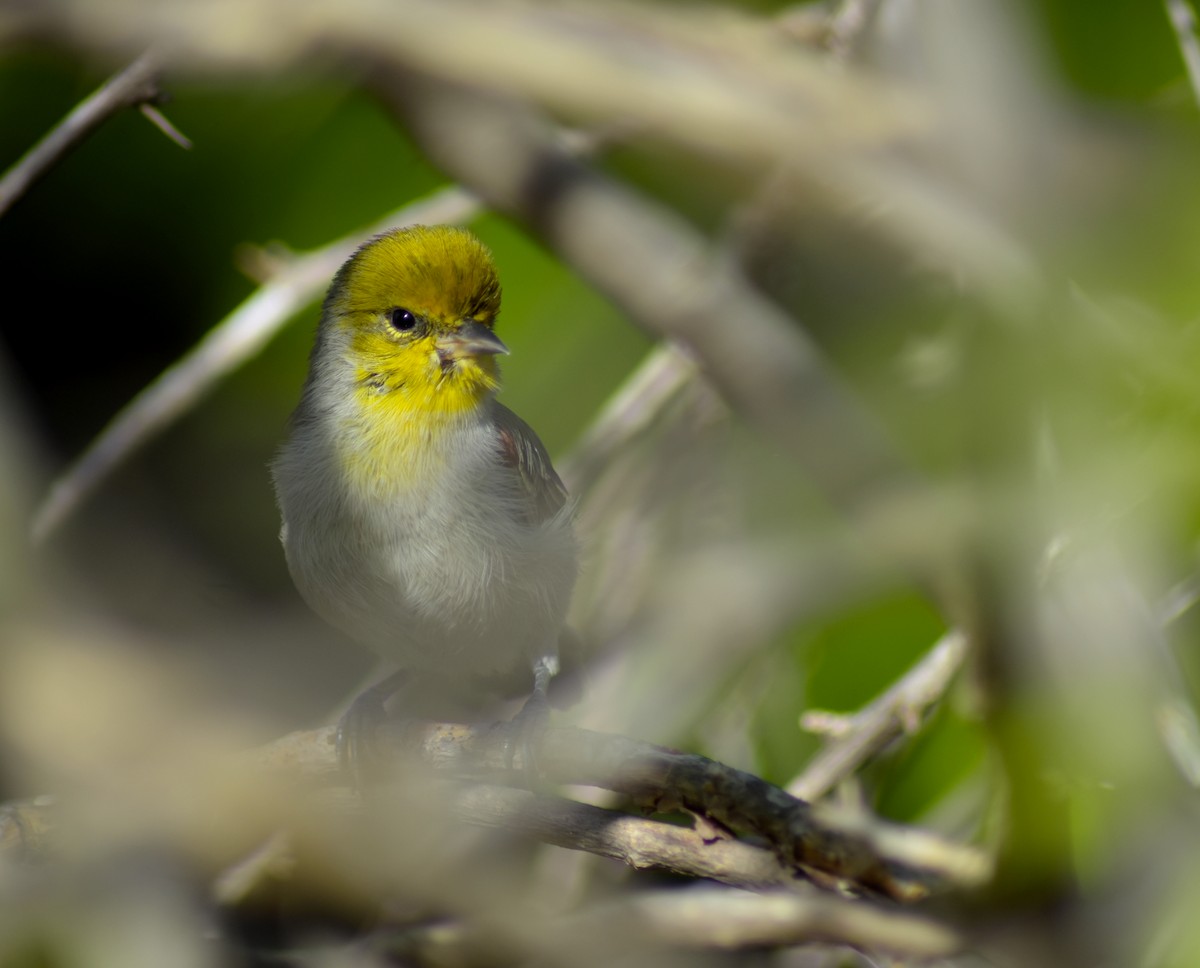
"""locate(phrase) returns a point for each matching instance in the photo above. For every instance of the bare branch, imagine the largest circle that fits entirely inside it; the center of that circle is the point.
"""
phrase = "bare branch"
(848, 23)
(656, 924)
(661, 272)
(137, 84)
(895, 712)
(733, 920)
(899, 863)
(159, 120)
(660, 378)
(640, 842)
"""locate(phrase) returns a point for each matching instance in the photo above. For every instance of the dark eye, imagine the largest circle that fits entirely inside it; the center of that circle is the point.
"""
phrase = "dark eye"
(402, 320)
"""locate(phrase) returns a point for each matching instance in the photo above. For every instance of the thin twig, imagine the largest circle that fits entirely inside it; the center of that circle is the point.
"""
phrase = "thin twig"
(137, 84)
(159, 120)
(895, 712)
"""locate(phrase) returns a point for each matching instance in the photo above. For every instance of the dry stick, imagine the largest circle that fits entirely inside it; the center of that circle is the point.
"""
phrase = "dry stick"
(848, 23)
(136, 85)
(719, 919)
(895, 712)
(160, 121)
(640, 842)
(900, 863)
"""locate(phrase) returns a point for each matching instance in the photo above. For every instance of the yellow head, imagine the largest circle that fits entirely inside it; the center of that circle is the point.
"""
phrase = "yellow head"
(413, 311)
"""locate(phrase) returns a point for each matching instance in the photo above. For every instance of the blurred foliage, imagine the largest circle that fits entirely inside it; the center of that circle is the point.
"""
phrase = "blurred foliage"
(128, 252)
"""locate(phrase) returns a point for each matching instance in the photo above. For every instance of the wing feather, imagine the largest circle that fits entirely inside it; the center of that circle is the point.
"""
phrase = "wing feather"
(526, 454)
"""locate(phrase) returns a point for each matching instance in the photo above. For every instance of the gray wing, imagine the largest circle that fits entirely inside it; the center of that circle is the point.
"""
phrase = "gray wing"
(522, 451)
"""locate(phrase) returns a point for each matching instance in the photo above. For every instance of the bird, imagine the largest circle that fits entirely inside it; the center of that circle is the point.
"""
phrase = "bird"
(420, 516)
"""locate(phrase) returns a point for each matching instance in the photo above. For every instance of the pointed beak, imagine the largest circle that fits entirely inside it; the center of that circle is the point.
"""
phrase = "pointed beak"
(470, 339)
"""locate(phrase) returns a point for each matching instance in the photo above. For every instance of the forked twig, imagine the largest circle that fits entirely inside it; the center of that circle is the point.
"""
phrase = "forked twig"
(137, 85)
(896, 711)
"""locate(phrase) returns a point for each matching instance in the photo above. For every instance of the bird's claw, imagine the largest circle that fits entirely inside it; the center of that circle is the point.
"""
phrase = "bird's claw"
(525, 732)
(355, 740)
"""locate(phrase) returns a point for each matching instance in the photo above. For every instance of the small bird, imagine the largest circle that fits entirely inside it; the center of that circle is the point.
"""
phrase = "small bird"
(421, 516)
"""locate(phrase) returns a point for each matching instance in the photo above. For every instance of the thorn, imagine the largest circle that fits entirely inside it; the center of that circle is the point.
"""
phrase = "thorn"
(159, 120)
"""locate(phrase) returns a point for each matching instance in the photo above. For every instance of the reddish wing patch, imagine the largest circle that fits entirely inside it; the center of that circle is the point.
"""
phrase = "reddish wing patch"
(521, 450)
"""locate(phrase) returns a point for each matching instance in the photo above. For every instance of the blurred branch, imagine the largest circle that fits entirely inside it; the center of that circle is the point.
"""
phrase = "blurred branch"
(137, 85)
(159, 120)
(899, 863)
(226, 346)
(848, 24)
(714, 81)
(662, 273)
(27, 829)
(706, 919)
(1183, 23)
(724, 82)
(855, 739)
(730, 920)
(640, 842)
(288, 285)
(1176, 714)
(660, 378)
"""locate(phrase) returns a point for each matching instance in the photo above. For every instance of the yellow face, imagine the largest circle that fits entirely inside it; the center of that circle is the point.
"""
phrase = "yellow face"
(418, 306)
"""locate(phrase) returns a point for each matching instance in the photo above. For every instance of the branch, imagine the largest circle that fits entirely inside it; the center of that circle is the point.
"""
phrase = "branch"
(899, 863)
(660, 271)
(791, 911)
(729, 920)
(895, 712)
(640, 842)
(1183, 23)
(709, 919)
(847, 25)
(136, 85)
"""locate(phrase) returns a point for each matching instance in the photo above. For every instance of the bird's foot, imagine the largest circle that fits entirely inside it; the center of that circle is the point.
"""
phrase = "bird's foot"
(357, 727)
(528, 727)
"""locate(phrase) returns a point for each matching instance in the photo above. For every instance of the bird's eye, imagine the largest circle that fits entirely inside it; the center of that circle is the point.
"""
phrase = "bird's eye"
(402, 320)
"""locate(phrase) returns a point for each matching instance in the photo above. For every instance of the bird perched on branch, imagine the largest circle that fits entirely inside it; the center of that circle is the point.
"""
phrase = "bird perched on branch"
(420, 515)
